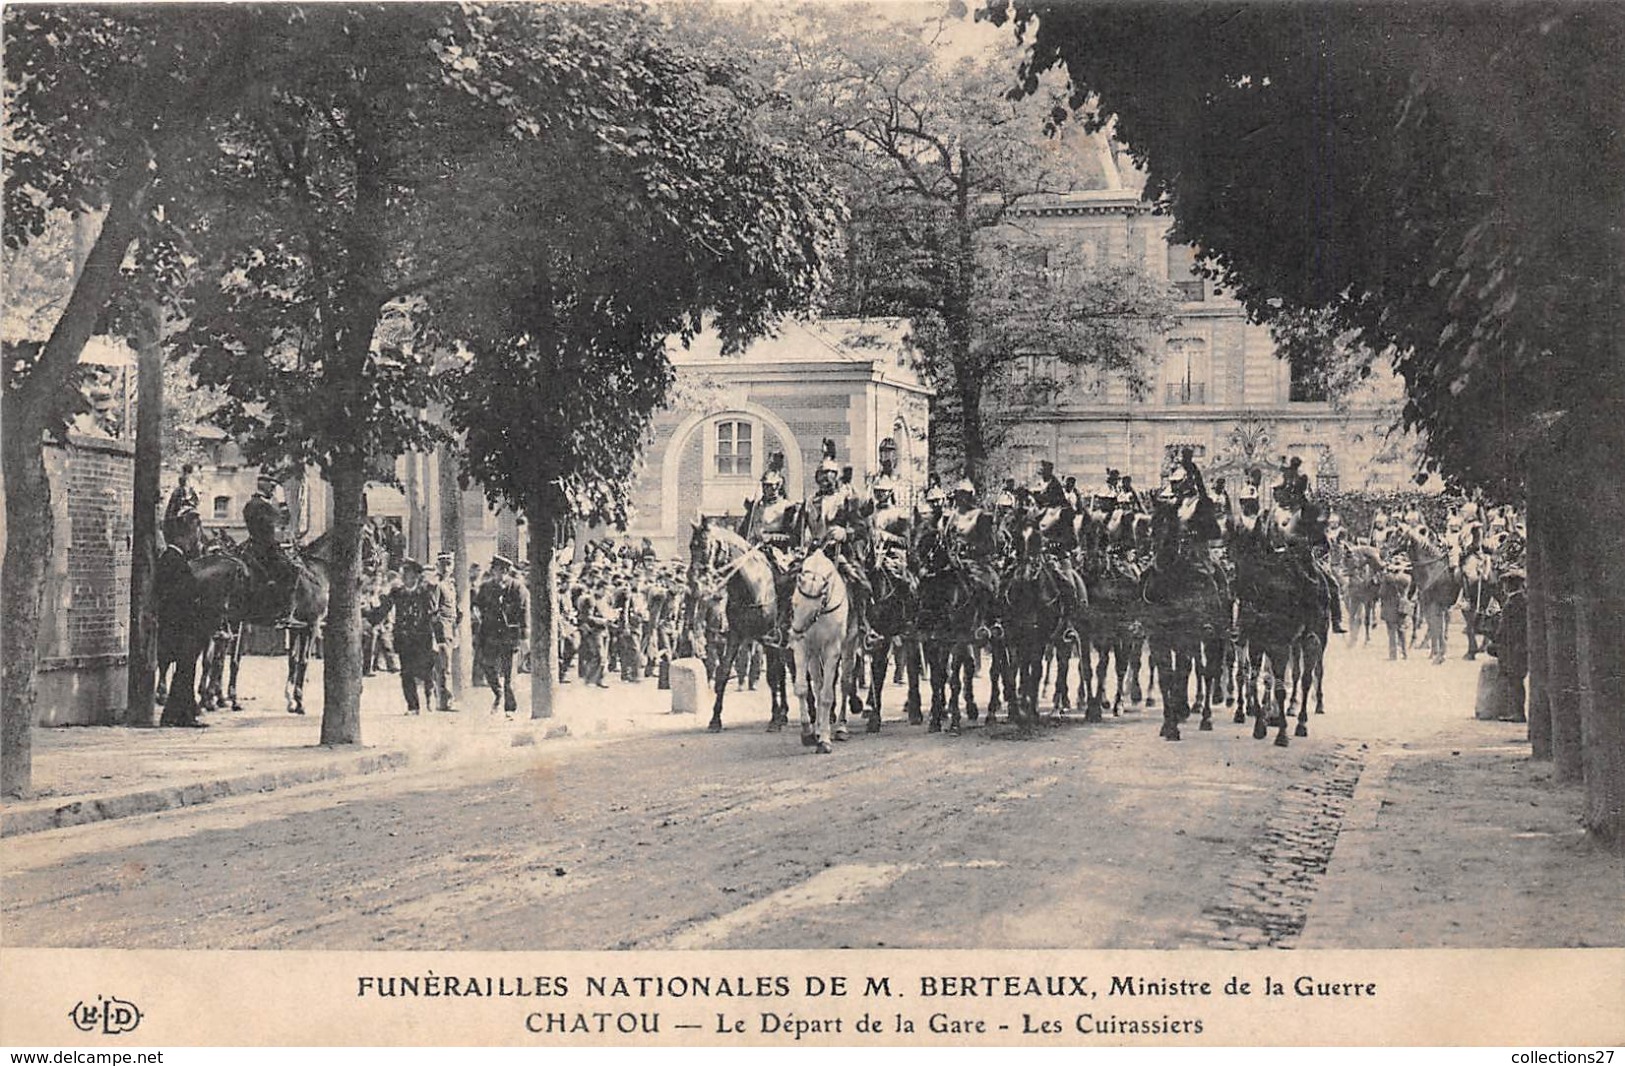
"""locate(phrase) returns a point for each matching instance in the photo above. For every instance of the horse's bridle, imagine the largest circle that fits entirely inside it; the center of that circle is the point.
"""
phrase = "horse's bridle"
(823, 593)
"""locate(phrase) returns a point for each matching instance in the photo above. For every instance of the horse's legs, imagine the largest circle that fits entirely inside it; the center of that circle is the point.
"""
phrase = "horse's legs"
(1257, 701)
(1280, 695)
(877, 681)
(1061, 697)
(1240, 681)
(969, 666)
(725, 671)
(1213, 674)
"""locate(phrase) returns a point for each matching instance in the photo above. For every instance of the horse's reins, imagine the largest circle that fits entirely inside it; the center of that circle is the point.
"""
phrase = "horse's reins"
(828, 608)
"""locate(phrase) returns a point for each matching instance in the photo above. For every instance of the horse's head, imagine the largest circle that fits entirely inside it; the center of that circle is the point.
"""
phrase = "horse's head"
(816, 592)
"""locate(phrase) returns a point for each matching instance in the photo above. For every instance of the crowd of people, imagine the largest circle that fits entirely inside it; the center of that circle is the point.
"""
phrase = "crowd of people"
(617, 616)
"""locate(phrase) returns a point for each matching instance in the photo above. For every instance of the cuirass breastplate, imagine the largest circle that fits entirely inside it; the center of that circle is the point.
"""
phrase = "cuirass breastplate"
(775, 517)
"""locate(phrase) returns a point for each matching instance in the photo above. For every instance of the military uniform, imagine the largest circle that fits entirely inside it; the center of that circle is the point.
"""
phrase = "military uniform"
(416, 616)
(266, 521)
(891, 529)
(504, 608)
(973, 545)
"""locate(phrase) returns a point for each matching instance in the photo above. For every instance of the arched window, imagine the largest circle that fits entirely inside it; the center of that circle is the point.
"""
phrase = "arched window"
(735, 448)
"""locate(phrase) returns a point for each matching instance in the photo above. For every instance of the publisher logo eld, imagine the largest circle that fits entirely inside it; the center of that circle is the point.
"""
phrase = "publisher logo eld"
(113, 1015)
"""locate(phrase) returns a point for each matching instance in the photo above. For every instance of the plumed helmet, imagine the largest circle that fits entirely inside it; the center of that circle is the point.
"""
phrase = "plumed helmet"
(934, 494)
(829, 465)
(1454, 522)
(965, 485)
(773, 478)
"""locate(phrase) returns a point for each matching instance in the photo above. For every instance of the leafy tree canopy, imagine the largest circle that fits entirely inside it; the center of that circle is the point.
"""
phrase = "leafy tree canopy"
(1443, 178)
(688, 208)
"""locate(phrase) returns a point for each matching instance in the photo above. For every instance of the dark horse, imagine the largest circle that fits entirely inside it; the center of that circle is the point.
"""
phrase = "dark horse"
(944, 620)
(891, 615)
(1279, 606)
(1112, 579)
(1186, 617)
(720, 557)
(229, 592)
(1034, 613)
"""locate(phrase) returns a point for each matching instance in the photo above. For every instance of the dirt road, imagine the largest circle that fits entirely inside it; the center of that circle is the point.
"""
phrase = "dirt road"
(1081, 836)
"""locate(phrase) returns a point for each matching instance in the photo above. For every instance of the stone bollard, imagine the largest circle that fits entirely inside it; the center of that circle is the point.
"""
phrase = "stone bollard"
(687, 684)
(1492, 695)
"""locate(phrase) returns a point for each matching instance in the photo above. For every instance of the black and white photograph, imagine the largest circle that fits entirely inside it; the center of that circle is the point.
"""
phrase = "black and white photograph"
(883, 480)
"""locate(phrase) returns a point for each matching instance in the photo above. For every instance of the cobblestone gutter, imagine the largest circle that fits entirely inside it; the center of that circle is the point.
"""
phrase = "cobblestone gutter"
(1266, 902)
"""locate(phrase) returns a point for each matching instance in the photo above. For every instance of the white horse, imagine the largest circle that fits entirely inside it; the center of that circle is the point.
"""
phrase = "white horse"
(818, 624)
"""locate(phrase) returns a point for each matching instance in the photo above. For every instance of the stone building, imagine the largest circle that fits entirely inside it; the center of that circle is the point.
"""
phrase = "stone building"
(1219, 387)
(853, 381)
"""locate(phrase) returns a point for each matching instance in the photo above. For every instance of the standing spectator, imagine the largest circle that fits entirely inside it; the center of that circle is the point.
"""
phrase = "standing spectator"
(504, 607)
(1510, 644)
(451, 620)
(175, 605)
(564, 619)
(384, 632)
(476, 626)
(413, 605)
(593, 617)
(633, 613)
(1393, 597)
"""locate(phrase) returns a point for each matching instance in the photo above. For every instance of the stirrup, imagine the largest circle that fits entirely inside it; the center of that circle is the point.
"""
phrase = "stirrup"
(981, 634)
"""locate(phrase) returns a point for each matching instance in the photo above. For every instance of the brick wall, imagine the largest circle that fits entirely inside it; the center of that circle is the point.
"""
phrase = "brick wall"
(84, 626)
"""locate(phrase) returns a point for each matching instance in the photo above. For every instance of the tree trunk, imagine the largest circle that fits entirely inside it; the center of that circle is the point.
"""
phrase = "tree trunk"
(544, 652)
(149, 428)
(969, 376)
(1563, 691)
(29, 532)
(28, 410)
(452, 540)
(1599, 644)
(341, 644)
(973, 439)
(1540, 708)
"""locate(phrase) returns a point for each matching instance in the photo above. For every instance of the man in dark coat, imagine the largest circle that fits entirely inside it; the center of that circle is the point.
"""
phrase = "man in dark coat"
(504, 609)
(180, 639)
(1511, 644)
(418, 635)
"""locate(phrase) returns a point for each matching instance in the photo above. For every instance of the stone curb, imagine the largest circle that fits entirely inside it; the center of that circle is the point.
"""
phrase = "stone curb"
(38, 817)
(106, 808)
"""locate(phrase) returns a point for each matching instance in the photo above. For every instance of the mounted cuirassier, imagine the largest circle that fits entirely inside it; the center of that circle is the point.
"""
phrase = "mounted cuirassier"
(267, 519)
(833, 517)
(891, 529)
(1304, 526)
(1200, 516)
(1057, 532)
(973, 545)
(774, 524)
(895, 600)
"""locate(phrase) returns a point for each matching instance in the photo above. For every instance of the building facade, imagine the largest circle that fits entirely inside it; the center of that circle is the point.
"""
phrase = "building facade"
(1219, 387)
(851, 381)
